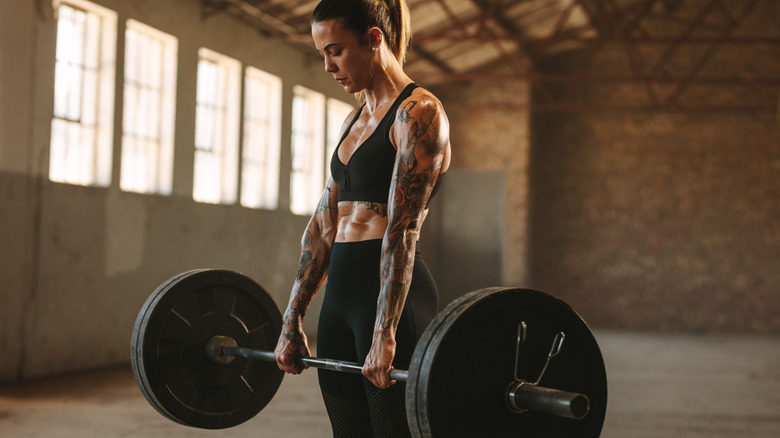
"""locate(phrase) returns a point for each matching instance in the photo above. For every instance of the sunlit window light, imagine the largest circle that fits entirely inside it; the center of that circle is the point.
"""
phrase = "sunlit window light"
(337, 114)
(149, 110)
(217, 128)
(308, 150)
(82, 123)
(262, 139)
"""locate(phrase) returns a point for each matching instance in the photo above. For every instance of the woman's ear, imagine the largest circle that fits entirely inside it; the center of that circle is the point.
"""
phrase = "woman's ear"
(375, 37)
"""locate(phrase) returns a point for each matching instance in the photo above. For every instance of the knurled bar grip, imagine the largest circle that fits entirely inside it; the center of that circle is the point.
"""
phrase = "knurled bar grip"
(316, 362)
(520, 397)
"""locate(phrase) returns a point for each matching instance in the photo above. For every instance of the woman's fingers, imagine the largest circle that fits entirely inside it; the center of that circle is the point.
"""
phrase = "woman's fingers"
(379, 362)
(379, 376)
(287, 364)
(287, 351)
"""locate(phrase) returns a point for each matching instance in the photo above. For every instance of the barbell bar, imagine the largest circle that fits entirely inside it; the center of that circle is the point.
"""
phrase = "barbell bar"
(223, 349)
(521, 396)
(202, 355)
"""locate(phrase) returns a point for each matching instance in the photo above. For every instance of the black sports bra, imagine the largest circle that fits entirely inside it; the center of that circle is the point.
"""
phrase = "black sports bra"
(368, 173)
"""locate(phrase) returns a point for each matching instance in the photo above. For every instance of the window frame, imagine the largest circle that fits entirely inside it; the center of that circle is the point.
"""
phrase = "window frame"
(337, 112)
(156, 143)
(81, 138)
(215, 173)
(307, 149)
(261, 142)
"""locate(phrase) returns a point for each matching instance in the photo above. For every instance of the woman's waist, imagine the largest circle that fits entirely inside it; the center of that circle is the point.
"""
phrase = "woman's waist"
(355, 264)
(361, 252)
(359, 262)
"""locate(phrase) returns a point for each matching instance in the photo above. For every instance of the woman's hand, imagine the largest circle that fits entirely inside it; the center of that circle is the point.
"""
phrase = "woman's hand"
(292, 344)
(379, 360)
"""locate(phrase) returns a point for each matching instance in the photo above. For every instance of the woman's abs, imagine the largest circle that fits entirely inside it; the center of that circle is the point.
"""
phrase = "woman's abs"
(364, 220)
(361, 220)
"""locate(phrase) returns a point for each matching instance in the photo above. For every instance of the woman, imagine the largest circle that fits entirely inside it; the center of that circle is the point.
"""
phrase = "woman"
(393, 152)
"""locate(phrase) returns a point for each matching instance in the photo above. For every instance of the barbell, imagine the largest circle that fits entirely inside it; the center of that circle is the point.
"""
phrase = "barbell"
(201, 353)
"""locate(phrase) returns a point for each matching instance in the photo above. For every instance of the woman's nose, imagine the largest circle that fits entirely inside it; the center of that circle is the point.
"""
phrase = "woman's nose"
(330, 67)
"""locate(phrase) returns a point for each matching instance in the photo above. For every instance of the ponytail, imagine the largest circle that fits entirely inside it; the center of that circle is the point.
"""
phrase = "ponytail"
(399, 12)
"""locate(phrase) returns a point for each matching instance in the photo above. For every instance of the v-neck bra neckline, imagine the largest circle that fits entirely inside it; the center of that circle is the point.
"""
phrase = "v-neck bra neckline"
(373, 133)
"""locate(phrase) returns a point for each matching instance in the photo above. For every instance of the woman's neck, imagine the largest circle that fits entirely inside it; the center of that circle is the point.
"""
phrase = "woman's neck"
(388, 80)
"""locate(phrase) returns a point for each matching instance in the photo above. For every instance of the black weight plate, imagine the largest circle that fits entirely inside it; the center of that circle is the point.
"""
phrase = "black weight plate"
(136, 344)
(417, 360)
(469, 363)
(168, 348)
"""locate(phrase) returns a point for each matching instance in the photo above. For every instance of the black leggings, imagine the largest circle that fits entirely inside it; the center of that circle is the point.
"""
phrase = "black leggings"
(355, 406)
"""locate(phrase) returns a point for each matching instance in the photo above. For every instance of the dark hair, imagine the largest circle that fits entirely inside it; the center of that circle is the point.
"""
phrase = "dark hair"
(358, 16)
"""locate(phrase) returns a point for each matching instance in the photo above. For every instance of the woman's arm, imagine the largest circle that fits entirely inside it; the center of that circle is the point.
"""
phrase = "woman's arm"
(421, 133)
(312, 268)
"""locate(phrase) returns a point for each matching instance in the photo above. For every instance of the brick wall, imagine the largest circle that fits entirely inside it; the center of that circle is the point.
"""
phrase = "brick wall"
(646, 206)
(659, 222)
(663, 220)
(490, 132)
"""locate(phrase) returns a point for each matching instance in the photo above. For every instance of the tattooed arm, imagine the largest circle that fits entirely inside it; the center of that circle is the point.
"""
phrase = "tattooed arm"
(421, 133)
(312, 268)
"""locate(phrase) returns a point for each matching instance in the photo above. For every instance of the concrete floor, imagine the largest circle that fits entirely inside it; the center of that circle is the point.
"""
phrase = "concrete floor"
(660, 386)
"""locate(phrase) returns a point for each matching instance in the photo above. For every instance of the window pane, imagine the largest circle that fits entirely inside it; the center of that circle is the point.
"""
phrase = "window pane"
(81, 143)
(149, 90)
(337, 114)
(216, 131)
(260, 160)
(308, 150)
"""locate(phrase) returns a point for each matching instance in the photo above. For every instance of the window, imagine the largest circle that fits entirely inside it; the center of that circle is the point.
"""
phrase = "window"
(262, 139)
(216, 128)
(149, 109)
(337, 113)
(308, 150)
(82, 123)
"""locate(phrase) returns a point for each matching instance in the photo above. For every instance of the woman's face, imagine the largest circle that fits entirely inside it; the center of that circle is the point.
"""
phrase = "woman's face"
(345, 57)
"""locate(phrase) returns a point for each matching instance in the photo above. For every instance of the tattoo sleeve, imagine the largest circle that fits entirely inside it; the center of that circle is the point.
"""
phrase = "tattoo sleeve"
(313, 263)
(422, 135)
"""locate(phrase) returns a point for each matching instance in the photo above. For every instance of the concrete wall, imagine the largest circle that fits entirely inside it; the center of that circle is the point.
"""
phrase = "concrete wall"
(77, 262)
(464, 237)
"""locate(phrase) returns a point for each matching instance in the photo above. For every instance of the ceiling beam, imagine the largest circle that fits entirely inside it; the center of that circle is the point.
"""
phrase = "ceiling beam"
(701, 62)
(260, 18)
(432, 59)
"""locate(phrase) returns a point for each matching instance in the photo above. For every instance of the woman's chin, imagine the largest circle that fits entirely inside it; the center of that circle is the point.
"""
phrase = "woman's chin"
(350, 87)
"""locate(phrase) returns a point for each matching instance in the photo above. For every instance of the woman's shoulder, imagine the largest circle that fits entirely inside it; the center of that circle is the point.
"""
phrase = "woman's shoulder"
(423, 95)
(420, 100)
(423, 113)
